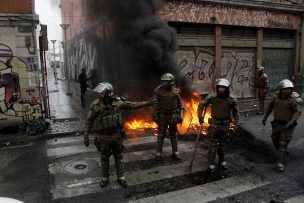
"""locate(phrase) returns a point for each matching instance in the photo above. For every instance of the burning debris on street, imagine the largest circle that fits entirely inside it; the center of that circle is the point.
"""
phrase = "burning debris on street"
(190, 122)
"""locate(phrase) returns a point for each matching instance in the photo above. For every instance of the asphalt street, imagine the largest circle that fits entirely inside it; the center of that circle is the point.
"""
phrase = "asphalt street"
(63, 170)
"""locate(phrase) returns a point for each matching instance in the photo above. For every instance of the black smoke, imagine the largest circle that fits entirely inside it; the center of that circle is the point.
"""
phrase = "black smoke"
(137, 48)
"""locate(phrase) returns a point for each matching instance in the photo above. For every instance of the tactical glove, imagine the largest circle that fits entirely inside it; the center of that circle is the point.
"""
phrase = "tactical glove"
(86, 141)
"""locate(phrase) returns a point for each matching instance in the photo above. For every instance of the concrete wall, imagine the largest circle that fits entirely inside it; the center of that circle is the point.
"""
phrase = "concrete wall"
(238, 56)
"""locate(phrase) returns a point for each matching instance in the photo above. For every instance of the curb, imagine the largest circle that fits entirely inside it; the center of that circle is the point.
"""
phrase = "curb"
(17, 139)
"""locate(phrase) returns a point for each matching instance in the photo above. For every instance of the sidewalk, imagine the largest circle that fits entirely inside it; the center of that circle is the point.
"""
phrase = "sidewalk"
(66, 112)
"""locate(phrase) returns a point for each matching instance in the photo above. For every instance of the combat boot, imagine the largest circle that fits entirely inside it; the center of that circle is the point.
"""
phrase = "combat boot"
(159, 147)
(211, 168)
(280, 167)
(175, 155)
(282, 156)
(120, 170)
(104, 170)
(122, 181)
(104, 181)
(158, 156)
(221, 157)
(211, 157)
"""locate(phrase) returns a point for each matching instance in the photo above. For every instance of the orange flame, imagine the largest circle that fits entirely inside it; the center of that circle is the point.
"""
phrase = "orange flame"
(190, 120)
(139, 124)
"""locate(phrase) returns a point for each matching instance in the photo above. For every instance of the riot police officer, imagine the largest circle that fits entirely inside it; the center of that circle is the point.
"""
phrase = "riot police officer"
(223, 105)
(262, 85)
(285, 105)
(167, 113)
(106, 110)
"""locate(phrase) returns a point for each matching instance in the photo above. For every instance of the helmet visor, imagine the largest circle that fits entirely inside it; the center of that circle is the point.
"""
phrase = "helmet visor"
(103, 89)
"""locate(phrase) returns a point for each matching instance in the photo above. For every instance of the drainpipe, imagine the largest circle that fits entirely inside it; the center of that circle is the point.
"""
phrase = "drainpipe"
(302, 54)
(33, 7)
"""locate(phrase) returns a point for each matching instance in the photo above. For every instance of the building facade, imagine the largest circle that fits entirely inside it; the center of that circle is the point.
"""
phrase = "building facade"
(216, 38)
(20, 74)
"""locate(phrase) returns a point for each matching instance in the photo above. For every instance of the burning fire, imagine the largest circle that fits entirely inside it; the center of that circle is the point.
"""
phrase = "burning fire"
(140, 125)
(190, 120)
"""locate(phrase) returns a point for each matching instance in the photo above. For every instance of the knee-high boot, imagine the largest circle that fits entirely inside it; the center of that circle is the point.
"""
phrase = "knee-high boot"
(282, 155)
(120, 170)
(104, 170)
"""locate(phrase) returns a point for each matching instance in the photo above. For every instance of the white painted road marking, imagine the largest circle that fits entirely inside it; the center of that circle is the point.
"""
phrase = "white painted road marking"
(91, 185)
(297, 199)
(210, 191)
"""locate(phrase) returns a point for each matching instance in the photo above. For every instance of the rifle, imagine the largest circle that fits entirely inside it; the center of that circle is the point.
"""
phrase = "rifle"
(189, 169)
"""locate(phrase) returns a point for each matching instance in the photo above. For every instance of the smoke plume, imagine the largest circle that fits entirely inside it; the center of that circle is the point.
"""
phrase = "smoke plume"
(135, 48)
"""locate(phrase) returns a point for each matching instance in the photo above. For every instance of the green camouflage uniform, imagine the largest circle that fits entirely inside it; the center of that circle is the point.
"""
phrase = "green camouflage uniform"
(110, 124)
(221, 110)
(167, 114)
(262, 84)
(286, 112)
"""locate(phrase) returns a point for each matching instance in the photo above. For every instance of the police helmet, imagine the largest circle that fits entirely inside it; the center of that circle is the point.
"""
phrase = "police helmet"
(104, 87)
(222, 82)
(261, 68)
(285, 84)
(167, 77)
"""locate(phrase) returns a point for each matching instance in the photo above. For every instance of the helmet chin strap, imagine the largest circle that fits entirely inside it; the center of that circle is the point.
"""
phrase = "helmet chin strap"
(222, 94)
(285, 95)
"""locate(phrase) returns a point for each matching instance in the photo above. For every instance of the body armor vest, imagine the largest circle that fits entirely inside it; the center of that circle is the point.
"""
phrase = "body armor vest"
(221, 108)
(108, 116)
(282, 109)
(168, 99)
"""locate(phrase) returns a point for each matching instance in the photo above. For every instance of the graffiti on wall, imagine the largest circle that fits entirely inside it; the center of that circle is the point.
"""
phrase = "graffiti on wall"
(83, 55)
(238, 67)
(19, 89)
(87, 54)
(198, 66)
(200, 12)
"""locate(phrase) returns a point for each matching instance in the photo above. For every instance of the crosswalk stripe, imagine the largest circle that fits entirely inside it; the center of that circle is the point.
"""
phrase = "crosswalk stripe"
(132, 139)
(56, 167)
(66, 140)
(76, 187)
(210, 191)
(79, 149)
(297, 199)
